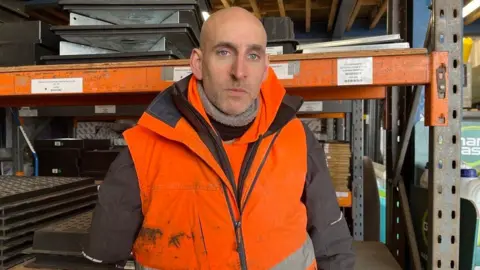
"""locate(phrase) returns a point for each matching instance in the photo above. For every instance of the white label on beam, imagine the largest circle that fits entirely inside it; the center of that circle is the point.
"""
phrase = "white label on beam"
(181, 72)
(282, 71)
(105, 109)
(275, 50)
(57, 86)
(342, 194)
(355, 71)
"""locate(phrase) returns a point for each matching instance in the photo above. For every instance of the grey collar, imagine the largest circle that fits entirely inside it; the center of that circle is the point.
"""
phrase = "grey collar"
(229, 120)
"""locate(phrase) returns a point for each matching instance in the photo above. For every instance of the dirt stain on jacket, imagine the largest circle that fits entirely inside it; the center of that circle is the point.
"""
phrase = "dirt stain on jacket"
(175, 239)
(150, 234)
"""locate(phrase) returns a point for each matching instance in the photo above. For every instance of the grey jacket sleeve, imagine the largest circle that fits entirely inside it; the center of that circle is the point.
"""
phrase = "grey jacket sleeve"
(326, 225)
(118, 214)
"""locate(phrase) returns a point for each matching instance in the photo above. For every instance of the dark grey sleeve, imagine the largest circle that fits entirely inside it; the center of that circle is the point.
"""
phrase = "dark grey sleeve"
(326, 225)
(118, 214)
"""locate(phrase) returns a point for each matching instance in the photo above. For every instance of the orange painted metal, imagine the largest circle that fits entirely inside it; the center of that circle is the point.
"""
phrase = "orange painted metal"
(340, 93)
(345, 201)
(315, 78)
(437, 92)
(322, 115)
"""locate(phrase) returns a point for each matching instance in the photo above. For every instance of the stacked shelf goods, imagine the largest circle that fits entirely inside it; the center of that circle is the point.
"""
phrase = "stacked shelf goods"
(28, 48)
(60, 245)
(338, 156)
(75, 157)
(280, 35)
(29, 203)
(122, 30)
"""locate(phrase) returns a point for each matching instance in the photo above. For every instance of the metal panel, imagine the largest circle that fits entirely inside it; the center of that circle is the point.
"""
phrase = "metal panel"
(395, 221)
(340, 129)
(330, 106)
(357, 146)
(348, 126)
(330, 129)
(344, 11)
(389, 46)
(352, 42)
(444, 152)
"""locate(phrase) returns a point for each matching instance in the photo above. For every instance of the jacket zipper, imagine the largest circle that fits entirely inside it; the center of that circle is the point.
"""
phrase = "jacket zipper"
(249, 157)
(225, 164)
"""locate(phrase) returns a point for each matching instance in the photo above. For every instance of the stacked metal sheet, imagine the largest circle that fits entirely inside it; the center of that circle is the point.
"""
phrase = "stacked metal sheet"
(123, 30)
(356, 44)
(36, 40)
(29, 203)
(60, 245)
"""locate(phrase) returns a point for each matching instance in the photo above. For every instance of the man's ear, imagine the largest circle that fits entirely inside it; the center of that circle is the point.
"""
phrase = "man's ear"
(196, 63)
(267, 66)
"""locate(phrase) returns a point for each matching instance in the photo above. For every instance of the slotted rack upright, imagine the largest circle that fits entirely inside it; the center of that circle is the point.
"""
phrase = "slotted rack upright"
(315, 77)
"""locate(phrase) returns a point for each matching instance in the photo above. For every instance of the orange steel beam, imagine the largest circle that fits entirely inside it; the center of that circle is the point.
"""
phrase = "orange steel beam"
(344, 199)
(313, 76)
(321, 115)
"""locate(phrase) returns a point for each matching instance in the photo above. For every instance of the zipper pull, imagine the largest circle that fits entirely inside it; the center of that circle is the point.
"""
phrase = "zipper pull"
(238, 231)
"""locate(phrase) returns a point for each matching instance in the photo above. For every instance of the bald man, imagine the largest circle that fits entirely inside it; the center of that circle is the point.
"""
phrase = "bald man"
(219, 173)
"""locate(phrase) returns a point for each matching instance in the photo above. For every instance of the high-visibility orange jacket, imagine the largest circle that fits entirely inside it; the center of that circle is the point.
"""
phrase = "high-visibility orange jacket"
(181, 198)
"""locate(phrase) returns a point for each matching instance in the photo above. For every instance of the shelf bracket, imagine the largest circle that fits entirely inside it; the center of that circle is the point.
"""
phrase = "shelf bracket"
(436, 94)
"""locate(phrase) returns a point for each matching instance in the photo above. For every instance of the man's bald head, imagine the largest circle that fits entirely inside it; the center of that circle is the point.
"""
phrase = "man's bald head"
(231, 62)
(231, 18)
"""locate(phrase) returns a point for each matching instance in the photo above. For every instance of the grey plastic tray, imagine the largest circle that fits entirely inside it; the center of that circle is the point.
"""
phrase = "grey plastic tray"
(131, 38)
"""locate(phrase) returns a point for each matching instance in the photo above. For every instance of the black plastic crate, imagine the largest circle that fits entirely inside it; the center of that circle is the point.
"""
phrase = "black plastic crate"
(29, 32)
(62, 162)
(84, 144)
(279, 28)
(288, 46)
(22, 54)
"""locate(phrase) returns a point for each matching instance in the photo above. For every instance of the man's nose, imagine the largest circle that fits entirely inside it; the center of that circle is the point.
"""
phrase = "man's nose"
(239, 68)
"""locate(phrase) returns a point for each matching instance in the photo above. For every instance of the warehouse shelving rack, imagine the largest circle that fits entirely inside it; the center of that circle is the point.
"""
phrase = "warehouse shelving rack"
(315, 77)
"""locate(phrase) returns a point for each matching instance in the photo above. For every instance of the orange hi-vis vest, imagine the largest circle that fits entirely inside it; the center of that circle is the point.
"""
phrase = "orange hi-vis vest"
(209, 204)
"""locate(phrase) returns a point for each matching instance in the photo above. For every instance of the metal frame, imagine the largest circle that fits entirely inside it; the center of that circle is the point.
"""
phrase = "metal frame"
(357, 154)
(444, 152)
(444, 148)
(395, 222)
(444, 140)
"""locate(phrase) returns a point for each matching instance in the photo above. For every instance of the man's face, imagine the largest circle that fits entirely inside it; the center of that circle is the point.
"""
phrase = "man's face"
(233, 66)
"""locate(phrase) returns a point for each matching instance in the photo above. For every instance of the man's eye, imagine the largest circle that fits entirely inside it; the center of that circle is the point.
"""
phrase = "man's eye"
(253, 56)
(222, 52)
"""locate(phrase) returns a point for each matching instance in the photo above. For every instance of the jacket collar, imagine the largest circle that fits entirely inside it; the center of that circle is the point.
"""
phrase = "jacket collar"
(172, 106)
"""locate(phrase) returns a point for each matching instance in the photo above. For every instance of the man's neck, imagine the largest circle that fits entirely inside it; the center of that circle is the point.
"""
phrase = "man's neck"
(229, 126)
